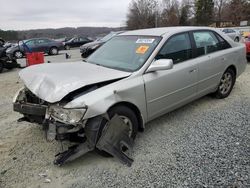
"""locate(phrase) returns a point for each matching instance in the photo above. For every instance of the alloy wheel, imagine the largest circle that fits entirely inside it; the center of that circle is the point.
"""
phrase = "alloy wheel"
(18, 54)
(226, 83)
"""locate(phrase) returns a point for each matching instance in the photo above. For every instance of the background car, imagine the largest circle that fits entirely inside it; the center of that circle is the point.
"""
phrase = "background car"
(45, 45)
(89, 48)
(65, 39)
(76, 42)
(247, 42)
(233, 34)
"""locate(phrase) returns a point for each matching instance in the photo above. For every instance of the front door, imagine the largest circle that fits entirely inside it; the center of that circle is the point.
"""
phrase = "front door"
(169, 89)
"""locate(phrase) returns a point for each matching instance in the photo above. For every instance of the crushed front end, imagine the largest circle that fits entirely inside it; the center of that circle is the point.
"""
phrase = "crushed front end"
(64, 124)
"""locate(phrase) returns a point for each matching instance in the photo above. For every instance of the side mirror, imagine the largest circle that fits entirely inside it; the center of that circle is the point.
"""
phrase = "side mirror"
(161, 64)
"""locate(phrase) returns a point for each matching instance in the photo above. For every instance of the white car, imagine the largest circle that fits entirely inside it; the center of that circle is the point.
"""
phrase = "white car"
(233, 34)
(132, 79)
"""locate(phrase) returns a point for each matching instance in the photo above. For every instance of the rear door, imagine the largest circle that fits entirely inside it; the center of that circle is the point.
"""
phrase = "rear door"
(210, 58)
(168, 89)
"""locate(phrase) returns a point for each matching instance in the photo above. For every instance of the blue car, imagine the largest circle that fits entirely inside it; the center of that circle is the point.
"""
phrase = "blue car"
(45, 45)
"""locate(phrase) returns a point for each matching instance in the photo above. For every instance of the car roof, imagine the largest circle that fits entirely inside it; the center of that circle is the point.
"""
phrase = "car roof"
(164, 30)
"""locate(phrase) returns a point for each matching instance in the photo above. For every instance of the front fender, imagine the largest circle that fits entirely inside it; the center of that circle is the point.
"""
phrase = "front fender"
(98, 102)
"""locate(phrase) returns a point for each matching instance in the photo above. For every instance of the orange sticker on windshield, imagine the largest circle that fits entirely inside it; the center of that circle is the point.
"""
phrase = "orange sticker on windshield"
(142, 49)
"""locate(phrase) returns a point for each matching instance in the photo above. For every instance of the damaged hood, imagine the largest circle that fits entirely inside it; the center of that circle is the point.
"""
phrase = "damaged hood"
(52, 82)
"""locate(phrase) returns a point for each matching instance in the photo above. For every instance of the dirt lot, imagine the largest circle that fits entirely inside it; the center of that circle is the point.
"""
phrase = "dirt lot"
(204, 144)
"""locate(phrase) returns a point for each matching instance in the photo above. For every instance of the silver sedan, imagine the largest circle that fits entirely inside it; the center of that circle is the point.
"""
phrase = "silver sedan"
(102, 103)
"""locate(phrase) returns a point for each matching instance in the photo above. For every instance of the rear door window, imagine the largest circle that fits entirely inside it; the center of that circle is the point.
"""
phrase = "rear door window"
(206, 42)
(178, 48)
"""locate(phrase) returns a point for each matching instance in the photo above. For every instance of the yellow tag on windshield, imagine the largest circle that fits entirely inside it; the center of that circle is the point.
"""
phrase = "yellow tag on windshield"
(142, 49)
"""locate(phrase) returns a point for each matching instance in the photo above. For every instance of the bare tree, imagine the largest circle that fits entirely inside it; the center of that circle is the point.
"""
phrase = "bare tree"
(170, 14)
(219, 8)
(142, 14)
(238, 10)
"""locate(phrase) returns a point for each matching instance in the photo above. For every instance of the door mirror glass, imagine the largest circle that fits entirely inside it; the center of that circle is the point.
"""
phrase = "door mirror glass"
(161, 64)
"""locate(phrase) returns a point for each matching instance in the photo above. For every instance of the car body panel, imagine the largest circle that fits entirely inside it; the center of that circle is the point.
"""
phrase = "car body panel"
(247, 42)
(42, 81)
(100, 100)
(163, 95)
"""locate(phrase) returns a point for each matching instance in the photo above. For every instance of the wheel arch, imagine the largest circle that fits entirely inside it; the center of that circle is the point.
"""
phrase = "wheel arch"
(233, 67)
(53, 47)
(135, 109)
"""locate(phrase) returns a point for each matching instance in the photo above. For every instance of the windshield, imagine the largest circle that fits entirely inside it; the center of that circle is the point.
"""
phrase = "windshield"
(127, 53)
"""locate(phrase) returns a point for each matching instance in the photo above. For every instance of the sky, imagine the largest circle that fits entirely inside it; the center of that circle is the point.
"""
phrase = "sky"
(38, 14)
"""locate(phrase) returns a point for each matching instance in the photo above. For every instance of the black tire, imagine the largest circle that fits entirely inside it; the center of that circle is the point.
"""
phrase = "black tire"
(67, 47)
(248, 59)
(1, 67)
(18, 54)
(121, 111)
(53, 51)
(226, 84)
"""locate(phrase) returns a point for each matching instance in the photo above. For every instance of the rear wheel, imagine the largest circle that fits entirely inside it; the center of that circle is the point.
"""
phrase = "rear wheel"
(226, 84)
(18, 54)
(53, 51)
(129, 118)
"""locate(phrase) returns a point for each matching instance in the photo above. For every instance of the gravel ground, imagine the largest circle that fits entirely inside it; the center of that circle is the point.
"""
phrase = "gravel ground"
(203, 144)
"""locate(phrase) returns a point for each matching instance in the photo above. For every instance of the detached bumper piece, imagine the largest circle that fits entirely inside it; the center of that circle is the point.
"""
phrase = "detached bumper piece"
(114, 140)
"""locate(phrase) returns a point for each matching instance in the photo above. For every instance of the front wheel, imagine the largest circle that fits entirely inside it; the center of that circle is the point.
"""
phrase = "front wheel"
(226, 84)
(53, 51)
(129, 118)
